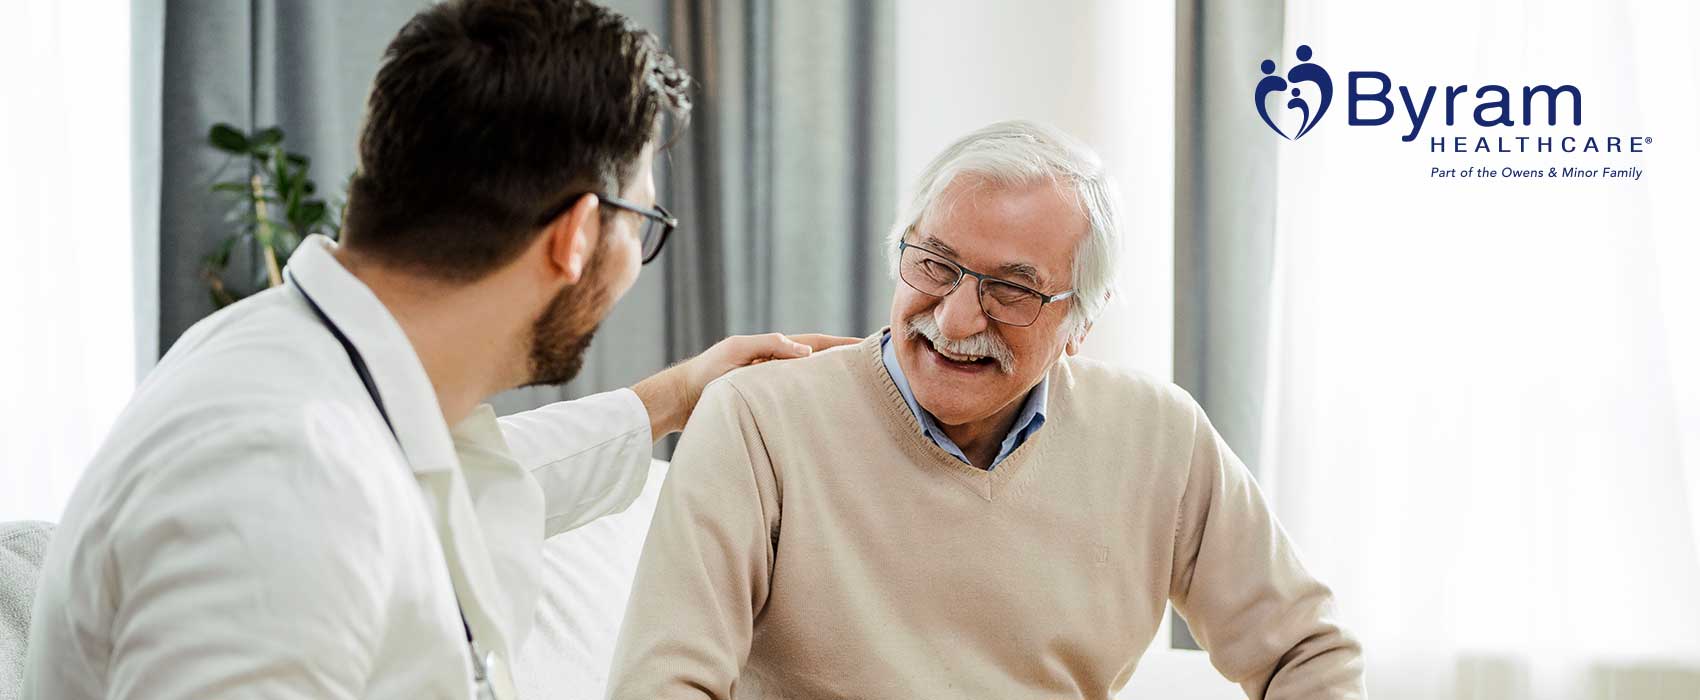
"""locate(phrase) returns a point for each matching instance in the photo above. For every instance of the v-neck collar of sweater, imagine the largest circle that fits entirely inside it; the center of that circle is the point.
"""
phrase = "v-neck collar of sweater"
(870, 372)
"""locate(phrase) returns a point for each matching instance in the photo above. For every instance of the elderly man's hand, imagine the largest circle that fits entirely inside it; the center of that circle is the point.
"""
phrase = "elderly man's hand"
(671, 394)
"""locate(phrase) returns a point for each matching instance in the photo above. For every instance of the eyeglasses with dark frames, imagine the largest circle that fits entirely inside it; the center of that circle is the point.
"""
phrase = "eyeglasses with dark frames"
(658, 223)
(933, 274)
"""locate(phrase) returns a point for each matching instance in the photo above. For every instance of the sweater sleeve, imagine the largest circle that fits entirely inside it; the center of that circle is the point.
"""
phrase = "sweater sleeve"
(1266, 622)
(705, 570)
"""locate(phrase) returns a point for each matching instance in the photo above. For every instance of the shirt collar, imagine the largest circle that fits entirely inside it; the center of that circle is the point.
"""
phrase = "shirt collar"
(1028, 421)
(408, 396)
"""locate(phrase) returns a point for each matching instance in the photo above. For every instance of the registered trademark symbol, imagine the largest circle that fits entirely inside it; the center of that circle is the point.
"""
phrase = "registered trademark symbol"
(1648, 140)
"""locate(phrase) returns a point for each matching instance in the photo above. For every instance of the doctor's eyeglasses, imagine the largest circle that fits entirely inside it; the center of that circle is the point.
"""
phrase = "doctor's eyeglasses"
(657, 224)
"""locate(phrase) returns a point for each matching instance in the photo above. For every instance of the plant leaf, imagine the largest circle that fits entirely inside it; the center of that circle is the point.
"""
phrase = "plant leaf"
(313, 212)
(294, 214)
(266, 138)
(226, 138)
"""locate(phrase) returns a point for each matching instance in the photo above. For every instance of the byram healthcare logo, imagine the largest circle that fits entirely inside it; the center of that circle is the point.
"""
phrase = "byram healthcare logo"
(1373, 99)
(1310, 108)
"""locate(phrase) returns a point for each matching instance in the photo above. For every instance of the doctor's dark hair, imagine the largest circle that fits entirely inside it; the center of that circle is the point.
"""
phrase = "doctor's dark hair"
(487, 114)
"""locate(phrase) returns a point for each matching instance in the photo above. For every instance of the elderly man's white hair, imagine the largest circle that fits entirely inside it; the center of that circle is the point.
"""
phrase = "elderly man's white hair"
(1020, 153)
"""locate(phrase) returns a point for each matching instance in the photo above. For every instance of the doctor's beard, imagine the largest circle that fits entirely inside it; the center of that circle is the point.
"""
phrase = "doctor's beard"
(562, 333)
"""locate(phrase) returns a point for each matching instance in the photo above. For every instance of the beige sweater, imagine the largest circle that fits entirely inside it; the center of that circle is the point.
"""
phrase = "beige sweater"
(810, 542)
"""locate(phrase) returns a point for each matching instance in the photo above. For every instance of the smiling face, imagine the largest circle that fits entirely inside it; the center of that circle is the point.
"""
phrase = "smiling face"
(1026, 234)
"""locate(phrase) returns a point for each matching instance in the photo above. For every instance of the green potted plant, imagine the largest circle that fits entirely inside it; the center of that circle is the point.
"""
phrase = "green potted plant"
(273, 208)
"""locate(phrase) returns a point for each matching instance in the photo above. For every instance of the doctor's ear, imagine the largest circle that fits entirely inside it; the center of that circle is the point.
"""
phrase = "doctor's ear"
(571, 236)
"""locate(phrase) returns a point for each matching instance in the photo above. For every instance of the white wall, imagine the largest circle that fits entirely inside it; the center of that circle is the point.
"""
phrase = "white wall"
(1101, 70)
(67, 358)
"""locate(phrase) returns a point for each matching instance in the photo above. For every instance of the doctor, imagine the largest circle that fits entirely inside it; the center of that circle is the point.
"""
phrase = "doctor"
(283, 510)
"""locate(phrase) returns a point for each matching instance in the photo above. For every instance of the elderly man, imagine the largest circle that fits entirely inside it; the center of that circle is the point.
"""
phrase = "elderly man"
(959, 507)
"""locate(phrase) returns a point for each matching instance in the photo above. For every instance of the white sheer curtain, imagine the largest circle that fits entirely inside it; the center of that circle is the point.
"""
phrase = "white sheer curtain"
(1484, 421)
(68, 358)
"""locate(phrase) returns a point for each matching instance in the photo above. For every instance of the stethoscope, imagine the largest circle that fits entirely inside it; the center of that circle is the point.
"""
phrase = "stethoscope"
(490, 686)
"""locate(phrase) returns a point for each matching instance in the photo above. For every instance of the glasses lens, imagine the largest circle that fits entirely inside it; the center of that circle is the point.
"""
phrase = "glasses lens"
(651, 238)
(1007, 303)
(655, 234)
(927, 273)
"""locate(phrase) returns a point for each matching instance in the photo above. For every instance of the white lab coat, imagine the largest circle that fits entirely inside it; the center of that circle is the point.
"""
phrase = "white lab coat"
(252, 529)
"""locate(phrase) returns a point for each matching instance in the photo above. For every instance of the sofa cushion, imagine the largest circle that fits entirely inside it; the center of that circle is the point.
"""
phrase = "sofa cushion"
(22, 545)
(587, 577)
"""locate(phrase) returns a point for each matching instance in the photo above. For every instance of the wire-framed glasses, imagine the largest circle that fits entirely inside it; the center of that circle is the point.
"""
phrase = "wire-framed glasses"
(1006, 302)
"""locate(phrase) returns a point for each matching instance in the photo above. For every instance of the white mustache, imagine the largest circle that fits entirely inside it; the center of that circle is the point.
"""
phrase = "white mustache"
(982, 344)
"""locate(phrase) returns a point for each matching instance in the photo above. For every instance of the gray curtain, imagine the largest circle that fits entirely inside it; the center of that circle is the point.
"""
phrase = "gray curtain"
(790, 170)
(1225, 167)
(783, 183)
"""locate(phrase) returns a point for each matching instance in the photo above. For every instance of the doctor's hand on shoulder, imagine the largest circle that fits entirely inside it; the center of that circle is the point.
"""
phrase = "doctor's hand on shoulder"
(672, 393)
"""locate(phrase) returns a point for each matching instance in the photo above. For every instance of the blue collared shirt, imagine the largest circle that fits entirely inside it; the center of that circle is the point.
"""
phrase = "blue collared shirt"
(1027, 422)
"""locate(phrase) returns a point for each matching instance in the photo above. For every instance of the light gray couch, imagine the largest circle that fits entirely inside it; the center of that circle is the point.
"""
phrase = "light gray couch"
(22, 545)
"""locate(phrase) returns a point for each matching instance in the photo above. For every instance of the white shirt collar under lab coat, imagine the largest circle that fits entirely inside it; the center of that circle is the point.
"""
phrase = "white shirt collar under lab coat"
(409, 398)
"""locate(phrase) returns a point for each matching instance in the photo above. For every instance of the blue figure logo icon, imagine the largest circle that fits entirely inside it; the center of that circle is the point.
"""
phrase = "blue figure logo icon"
(1311, 104)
